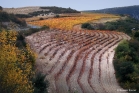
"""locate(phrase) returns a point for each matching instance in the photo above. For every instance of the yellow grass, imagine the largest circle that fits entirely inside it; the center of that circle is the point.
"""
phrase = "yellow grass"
(67, 23)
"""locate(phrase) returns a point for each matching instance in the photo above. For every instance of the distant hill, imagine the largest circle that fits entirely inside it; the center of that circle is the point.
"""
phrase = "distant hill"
(133, 11)
(38, 10)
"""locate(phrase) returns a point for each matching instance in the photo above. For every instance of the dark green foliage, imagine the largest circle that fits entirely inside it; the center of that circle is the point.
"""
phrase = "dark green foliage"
(36, 13)
(134, 44)
(90, 27)
(136, 35)
(110, 27)
(125, 26)
(100, 26)
(1, 8)
(44, 27)
(41, 18)
(57, 16)
(126, 64)
(29, 32)
(122, 49)
(40, 84)
(20, 42)
(23, 15)
(125, 68)
(59, 10)
(87, 26)
(5, 17)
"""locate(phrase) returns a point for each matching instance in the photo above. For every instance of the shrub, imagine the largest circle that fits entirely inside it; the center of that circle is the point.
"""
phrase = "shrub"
(110, 27)
(136, 34)
(90, 27)
(57, 16)
(40, 84)
(87, 26)
(1, 8)
(122, 49)
(44, 27)
(41, 18)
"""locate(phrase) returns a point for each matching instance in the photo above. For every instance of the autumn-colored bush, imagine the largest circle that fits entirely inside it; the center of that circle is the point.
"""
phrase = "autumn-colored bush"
(16, 65)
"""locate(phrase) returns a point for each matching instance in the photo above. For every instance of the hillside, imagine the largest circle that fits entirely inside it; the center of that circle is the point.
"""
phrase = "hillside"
(133, 11)
(75, 52)
(10, 21)
(38, 11)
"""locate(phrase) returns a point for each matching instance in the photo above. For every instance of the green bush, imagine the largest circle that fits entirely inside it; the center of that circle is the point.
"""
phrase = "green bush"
(57, 16)
(87, 26)
(122, 49)
(41, 18)
(125, 68)
(1, 8)
(136, 34)
(44, 27)
(110, 27)
(122, 25)
(40, 84)
(90, 27)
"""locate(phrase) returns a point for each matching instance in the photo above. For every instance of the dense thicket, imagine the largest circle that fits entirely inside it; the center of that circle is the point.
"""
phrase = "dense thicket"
(127, 64)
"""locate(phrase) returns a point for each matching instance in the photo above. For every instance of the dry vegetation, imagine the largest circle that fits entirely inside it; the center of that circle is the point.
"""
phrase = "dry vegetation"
(67, 23)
